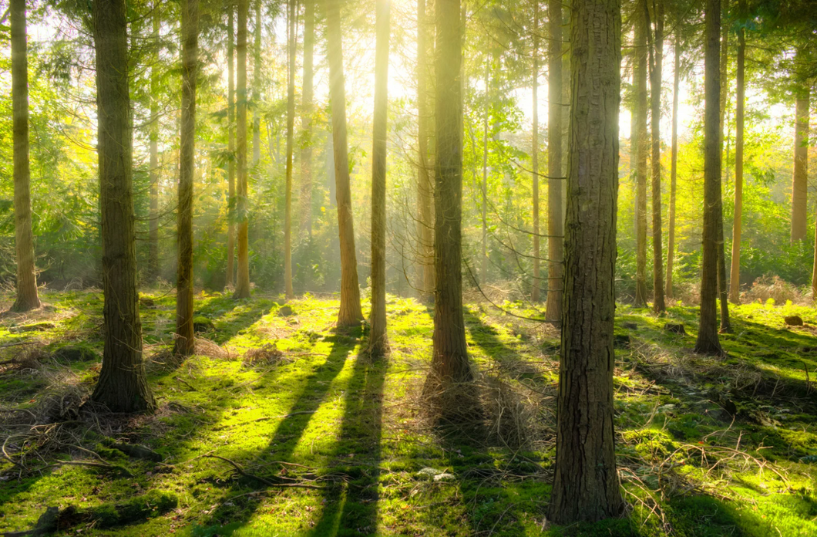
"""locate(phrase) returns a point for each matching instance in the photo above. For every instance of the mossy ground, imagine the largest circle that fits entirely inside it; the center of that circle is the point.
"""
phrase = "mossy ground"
(707, 446)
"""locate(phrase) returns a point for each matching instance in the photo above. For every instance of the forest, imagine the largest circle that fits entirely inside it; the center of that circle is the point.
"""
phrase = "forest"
(408, 267)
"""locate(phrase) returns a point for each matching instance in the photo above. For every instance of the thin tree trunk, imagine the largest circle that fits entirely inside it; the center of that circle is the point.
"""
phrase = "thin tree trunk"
(656, 72)
(153, 195)
(642, 151)
(306, 123)
(256, 88)
(565, 100)
(185, 340)
(377, 337)
(242, 288)
(535, 154)
(122, 385)
(425, 186)
(586, 485)
(734, 278)
(723, 290)
(27, 297)
(231, 201)
(555, 208)
(707, 342)
(290, 143)
(350, 313)
(674, 164)
(483, 271)
(799, 185)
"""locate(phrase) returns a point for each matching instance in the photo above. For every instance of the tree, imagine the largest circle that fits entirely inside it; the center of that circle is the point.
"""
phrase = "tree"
(350, 313)
(535, 153)
(377, 337)
(586, 486)
(707, 342)
(723, 292)
(231, 162)
(153, 195)
(291, 44)
(122, 385)
(307, 96)
(555, 210)
(242, 288)
(642, 151)
(674, 158)
(656, 51)
(27, 297)
(734, 278)
(425, 185)
(799, 182)
(483, 271)
(185, 340)
(256, 87)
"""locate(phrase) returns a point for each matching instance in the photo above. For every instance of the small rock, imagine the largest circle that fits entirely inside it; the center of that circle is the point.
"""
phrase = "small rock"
(444, 477)
(202, 324)
(74, 353)
(146, 302)
(675, 328)
(284, 311)
(630, 326)
(793, 320)
(429, 473)
(621, 341)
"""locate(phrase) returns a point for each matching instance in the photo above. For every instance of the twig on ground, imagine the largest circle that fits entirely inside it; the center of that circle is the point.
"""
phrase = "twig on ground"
(267, 482)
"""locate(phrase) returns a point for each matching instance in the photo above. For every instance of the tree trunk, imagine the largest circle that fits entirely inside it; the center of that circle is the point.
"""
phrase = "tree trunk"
(656, 72)
(535, 154)
(586, 486)
(734, 278)
(449, 365)
(242, 288)
(642, 151)
(799, 185)
(707, 342)
(231, 201)
(483, 271)
(122, 385)
(377, 337)
(256, 87)
(27, 297)
(185, 340)
(153, 195)
(350, 313)
(291, 42)
(555, 279)
(425, 186)
(674, 164)
(723, 290)
(306, 123)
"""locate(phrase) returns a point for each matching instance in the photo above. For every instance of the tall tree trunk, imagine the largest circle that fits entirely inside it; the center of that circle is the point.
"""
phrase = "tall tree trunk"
(153, 195)
(555, 209)
(290, 143)
(723, 290)
(185, 337)
(377, 337)
(535, 154)
(734, 278)
(231, 163)
(674, 165)
(799, 184)
(449, 363)
(566, 104)
(242, 288)
(642, 151)
(305, 228)
(483, 271)
(656, 72)
(707, 342)
(586, 486)
(350, 313)
(122, 385)
(256, 87)
(425, 185)
(27, 298)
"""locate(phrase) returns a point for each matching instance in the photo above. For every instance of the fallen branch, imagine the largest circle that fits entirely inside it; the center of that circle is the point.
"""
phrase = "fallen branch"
(267, 482)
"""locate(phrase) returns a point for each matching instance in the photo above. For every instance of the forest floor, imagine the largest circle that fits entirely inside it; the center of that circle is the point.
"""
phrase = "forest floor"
(282, 425)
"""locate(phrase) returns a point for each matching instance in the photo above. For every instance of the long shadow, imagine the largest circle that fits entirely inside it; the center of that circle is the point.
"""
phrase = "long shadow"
(352, 508)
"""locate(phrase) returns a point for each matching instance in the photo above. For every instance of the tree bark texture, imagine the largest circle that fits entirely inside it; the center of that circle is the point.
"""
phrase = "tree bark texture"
(27, 296)
(122, 385)
(231, 162)
(483, 270)
(723, 290)
(256, 87)
(586, 485)
(153, 194)
(242, 288)
(307, 109)
(350, 313)
(425, 172)
(674, 160)
(734, 278)
(555, 281)
(656, 75)
(707, 342)
(291, 44)
(535, 154)
(642, 152)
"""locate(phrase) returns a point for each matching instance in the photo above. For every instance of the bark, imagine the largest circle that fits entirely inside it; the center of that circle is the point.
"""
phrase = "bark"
(734, 278)
(291, 42)
(723, 290)
(535, 154)
(27, 297)
(642, 151)
(242, 288)
(707, 342)
(122, 385)
(799, 184)
(656, 72)
(350, 313)
(555, 208)
(425, 186)
(377, 337)
(483, 271)
(231, 163)
(153, 195)
(185, 337)
(307, 105)
(449, 363)
(256, 87)
(566, 97)
(586, 486)
(674, 163)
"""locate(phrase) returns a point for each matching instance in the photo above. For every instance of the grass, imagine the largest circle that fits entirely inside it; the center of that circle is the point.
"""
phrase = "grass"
(706, 446)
